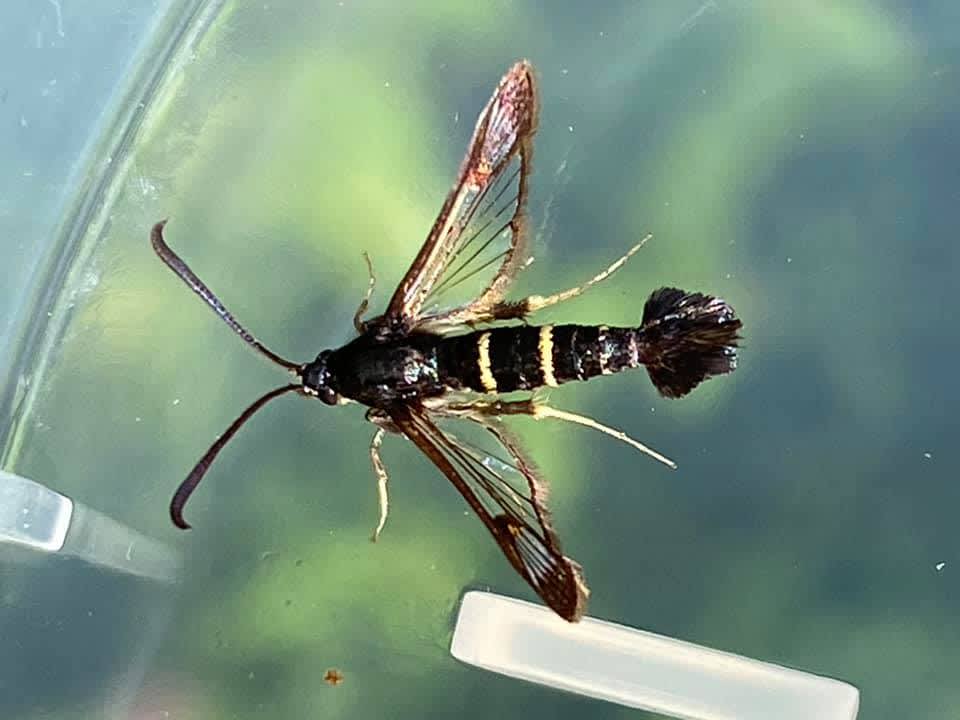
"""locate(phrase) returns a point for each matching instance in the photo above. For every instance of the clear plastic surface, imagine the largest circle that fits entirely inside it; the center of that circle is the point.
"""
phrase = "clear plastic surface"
(798, 159)
(32, 515)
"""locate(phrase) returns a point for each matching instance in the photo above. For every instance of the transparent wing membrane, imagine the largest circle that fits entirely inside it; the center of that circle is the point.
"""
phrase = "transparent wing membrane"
(503, 489)
(490, 225)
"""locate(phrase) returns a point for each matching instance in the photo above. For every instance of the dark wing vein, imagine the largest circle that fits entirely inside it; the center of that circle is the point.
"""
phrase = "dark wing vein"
(516, 515)
(481, 221)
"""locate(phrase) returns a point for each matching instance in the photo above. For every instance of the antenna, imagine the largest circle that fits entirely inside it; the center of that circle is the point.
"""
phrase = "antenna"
(187, 487)
(183, 271)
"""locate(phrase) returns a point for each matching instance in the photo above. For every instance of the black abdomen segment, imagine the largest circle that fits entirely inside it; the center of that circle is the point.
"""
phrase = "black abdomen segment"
(527, 357)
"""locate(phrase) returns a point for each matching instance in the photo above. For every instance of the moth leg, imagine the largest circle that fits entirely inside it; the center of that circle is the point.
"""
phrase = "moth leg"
(520, 309)
(384, 425)
(381, 472)
(539, 410)
(533, 303)
(358, 321)
(543, 410)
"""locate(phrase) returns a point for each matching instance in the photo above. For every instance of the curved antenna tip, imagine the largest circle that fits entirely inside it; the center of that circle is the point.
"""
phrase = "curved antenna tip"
(176, 515)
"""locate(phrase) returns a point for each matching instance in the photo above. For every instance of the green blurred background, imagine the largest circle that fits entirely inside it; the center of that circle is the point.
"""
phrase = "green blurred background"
(799, 159)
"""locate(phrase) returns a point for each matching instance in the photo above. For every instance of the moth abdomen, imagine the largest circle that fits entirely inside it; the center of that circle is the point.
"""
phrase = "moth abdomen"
(527, 357)
(685, 338)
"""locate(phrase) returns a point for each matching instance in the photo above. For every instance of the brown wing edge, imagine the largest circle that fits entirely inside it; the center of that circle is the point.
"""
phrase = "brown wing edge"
(517, 87)
(566, 591)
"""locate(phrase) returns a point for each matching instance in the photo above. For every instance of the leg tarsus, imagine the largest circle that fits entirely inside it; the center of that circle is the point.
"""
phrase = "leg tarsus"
(358, 322)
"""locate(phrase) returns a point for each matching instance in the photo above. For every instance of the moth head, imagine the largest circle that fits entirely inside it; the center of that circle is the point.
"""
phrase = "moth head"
(318, 380)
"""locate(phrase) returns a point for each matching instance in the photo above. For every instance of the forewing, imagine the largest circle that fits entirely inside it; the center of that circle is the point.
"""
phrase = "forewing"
(508, 497)
(479, 232)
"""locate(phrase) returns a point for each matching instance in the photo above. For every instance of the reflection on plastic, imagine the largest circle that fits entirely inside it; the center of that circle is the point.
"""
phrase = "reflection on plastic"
(32, 515)
(639, 669)
(35, 517)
